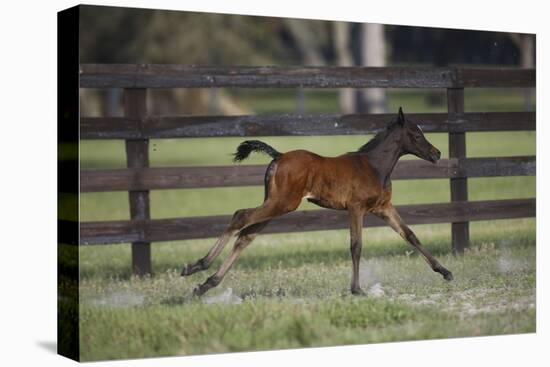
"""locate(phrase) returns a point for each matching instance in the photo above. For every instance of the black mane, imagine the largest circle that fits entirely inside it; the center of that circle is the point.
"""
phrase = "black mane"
(377, 139)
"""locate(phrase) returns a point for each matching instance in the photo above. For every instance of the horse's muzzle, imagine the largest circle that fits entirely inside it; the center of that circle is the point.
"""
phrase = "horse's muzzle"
(435, 154)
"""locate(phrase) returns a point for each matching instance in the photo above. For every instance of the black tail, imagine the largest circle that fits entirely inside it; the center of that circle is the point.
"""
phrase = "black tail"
(244, 149)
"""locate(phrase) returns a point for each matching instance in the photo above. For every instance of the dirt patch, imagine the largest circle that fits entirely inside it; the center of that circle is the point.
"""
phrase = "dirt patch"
(119, 299)
(470, 302)
(225, 296)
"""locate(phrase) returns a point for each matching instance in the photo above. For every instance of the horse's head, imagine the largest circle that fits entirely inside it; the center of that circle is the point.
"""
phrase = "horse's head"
(414, 142)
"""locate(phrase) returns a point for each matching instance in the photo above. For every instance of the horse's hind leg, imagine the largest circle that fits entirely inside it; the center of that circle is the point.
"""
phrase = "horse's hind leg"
(249, 222)
(205, 262)
(241, 219)
(237, 223)
(246, 236)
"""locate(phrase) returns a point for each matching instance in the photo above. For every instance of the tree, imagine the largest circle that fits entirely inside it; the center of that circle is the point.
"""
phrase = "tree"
(526, 46)
(373, 53)
(126, 35)
(344, 57)
(308, 39)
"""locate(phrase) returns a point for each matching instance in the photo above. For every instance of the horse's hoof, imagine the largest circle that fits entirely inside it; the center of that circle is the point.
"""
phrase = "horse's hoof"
(197, 292)
(185, 271)
(448, 276)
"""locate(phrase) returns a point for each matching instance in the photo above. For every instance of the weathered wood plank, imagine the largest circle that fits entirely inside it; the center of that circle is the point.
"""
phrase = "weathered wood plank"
(497, 166)
(311, 220)
(496, 78)
(160, 178)
(190, 76)
(293, 124)
(459, 185)
(137, 157)
(171, 178)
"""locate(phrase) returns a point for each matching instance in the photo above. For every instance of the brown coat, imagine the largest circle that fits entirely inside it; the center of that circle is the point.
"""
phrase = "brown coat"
(358, 182)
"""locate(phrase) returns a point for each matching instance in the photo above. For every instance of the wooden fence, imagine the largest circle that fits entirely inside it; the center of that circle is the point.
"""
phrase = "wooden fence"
(137, 127)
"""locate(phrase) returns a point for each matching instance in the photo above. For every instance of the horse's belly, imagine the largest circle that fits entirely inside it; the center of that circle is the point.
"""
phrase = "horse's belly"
(328, 204)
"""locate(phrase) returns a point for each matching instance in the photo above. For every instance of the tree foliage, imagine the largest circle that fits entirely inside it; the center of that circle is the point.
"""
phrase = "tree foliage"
(158, 36)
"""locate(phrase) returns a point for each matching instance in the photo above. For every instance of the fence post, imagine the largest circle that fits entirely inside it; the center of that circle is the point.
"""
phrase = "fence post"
(137, 156)
(459, 186)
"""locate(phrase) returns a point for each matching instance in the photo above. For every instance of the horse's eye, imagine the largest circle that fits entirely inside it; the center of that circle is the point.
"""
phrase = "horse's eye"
(416, 137)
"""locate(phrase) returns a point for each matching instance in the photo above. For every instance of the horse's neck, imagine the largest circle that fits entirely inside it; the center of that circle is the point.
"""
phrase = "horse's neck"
(384, 157)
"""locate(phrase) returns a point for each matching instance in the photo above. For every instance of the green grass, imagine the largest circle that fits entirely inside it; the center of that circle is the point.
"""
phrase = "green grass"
(292, 290)
(262, 325)
(412, 100)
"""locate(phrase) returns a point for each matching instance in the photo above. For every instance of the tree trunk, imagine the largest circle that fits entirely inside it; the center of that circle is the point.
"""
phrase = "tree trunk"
(308, 44)
(341, 34)
(527, 47)
(306, 40)
(373, 53)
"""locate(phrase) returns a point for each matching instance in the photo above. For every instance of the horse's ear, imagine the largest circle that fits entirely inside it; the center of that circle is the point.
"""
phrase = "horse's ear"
(400, 116)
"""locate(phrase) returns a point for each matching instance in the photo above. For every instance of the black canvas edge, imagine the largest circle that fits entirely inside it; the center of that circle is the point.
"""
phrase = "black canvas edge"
(68, 336)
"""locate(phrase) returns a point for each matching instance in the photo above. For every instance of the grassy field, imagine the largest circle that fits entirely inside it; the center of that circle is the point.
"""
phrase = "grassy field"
(292, 290)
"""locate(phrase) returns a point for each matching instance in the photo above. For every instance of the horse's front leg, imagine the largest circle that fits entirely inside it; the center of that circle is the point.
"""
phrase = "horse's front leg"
(356, 244)
(390, 215)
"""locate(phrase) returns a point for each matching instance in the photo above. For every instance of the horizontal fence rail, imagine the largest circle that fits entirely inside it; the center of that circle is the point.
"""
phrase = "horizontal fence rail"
(217, 176)
(137, 127)
(152, 127)
(310, 220)
(183, 76)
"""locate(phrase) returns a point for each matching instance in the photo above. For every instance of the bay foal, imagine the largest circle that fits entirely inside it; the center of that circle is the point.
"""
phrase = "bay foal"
(358, 182)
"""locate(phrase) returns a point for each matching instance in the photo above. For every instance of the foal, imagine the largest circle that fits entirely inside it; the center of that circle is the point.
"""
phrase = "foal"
(358, 182)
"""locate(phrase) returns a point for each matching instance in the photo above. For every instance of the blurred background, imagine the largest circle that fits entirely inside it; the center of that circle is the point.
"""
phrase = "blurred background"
(123, 35)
